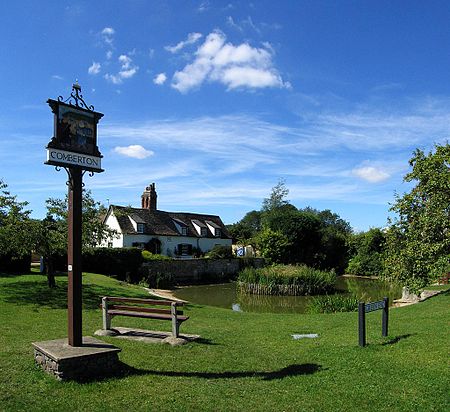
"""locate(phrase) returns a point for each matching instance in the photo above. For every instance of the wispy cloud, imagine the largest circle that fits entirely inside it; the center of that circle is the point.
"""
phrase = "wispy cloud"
(241, 66)
(94, 68)
(136, 151)
(192, 38)
(127, 70)
(108, 35)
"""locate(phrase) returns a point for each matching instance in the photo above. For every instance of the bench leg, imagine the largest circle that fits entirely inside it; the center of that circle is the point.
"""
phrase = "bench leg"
(175, 324)
(106, 317)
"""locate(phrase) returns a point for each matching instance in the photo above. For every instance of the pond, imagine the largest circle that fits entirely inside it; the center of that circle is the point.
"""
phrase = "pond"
(226, 295)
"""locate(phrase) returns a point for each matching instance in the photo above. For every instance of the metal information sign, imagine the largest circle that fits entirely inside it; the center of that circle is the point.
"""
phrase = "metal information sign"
(74, 147)
(370, 307)
(364, 308)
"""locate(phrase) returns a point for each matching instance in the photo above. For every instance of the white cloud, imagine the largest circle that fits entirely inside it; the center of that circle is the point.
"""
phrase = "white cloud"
(109, 54)
(107, 35)
(57, 77)
(160, 79)
(371, 174)
(241, 66)
(94, 68)
(136, 151)
(128, 70)
(191, 39)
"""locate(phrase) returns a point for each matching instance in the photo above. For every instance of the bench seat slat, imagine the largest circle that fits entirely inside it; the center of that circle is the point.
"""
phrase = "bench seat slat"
(146, 315)
(147, 301)
(142, 309)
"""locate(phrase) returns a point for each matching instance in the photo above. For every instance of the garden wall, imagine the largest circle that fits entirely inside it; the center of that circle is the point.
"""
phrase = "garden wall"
(165, 273)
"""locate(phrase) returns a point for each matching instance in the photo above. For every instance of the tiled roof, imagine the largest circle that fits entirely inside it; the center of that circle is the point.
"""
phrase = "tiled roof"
(158, 222)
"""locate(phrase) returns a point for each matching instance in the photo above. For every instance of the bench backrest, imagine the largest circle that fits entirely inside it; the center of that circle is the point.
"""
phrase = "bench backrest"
(110, 300)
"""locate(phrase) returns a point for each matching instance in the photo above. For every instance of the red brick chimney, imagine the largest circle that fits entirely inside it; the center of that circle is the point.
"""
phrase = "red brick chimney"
(149, 197)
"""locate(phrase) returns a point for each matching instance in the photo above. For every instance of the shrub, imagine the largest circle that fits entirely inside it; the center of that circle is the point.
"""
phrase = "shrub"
(302, 280)
(333, 304)
(16, 264)
(149, 256)
(220, 252)
(121, 263)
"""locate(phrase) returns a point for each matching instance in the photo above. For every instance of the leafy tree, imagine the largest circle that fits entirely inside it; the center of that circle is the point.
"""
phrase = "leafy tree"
(367, 249)
(246, 229)
(50, 234)
(15, 236)
(273, 245)
(94, 230)
(277, 197)
(418, 239)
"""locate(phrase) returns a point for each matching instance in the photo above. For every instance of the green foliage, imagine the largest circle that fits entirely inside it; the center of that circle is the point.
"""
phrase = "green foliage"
(277, 197)
(94, 230)
(249, 226)
(220, 252)
(418, 239)
(333, 304)
(368, 253)
(148, 256)
(273, 245)
(15, 235)
(310, 281)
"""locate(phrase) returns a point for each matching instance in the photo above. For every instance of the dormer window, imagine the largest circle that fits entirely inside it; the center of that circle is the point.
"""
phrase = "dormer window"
(204, 231)
(217, 233)
(184, 230)
(140, 227)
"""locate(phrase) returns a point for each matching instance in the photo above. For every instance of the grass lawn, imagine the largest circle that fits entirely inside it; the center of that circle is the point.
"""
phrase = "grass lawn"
(244, 361)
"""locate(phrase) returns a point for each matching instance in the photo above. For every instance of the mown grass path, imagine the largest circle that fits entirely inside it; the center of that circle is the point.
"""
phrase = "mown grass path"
(244, 361)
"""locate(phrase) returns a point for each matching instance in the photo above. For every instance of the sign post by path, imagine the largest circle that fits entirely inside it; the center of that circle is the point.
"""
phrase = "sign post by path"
(364, 308)
(74, 147)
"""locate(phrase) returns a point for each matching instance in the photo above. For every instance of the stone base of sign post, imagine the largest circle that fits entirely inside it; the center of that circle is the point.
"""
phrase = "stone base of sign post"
(93, 359)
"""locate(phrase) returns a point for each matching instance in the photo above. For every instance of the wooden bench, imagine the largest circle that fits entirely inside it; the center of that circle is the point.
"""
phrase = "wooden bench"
(116, 306)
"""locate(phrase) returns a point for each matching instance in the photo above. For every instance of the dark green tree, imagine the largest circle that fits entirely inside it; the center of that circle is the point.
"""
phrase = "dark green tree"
(367, 250)
(418, 239)
(15, 234)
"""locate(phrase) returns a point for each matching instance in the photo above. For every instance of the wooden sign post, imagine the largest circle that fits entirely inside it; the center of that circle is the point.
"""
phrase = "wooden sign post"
(74, 147)
(364, 308)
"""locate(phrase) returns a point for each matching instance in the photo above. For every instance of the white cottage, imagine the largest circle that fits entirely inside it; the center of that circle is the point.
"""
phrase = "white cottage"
(167, 233)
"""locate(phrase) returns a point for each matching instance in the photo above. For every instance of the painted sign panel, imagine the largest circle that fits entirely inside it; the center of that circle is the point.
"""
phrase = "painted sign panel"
(59, 157)
(74, 141)
(370, 307)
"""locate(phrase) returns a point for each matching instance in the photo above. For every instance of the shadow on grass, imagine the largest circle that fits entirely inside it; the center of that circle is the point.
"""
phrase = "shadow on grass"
(38, 293)
(397, 339)
(292, 370)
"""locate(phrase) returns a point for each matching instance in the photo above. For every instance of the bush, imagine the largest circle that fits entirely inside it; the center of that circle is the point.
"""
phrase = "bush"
(16, 264)
(149, 256)
(303, 279)
(220, 252)
(333, 304)
(121, 263)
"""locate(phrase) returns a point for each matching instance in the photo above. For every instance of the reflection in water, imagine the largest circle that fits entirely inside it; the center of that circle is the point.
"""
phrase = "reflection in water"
(228, 296)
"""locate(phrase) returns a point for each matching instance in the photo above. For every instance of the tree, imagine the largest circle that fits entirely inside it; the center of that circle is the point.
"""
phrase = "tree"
(50, 234)
(273, 245)
(244, 230)
(418, 239)
(94, 230)
(15, 236)
(277, 197)
(367, 249)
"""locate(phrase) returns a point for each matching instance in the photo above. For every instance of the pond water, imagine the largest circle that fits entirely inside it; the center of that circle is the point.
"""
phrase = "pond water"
(226, 295)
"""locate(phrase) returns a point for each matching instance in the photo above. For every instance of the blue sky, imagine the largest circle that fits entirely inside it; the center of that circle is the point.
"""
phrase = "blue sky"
(215, 101)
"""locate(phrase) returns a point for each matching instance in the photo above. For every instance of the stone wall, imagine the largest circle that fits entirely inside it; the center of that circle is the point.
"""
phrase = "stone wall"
(165, 273)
